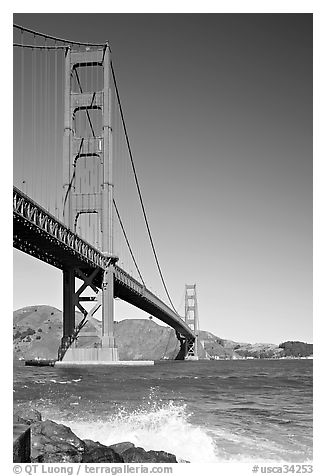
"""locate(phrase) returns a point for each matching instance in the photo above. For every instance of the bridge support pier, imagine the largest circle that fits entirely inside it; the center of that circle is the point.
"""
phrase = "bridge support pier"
(109, 350)
(68, 310)
(71, 299)
(68, 302)
(188, 348)
(191, 349)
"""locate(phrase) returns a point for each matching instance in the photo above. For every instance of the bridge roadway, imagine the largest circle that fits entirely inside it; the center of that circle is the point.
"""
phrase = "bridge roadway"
(40, 234)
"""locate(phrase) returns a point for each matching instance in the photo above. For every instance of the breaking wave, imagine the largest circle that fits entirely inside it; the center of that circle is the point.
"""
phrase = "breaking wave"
(158, 427)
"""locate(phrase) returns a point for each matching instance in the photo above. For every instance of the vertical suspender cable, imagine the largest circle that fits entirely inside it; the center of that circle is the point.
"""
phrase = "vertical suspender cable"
(45, 126)
(23, 179)
(50, 135)
(45, 161)
(55, 128)
(62, 192)
(34, 79)
(98, 161)
(40, 121)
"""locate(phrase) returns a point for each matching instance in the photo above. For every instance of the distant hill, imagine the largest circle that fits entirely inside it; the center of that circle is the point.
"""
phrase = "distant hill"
(296, 348)
(37, 331)
(215, 346)
(258, 351)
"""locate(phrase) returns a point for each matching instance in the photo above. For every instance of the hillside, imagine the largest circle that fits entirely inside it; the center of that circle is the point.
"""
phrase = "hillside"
(215, 346)
(37, 331)
(296, 348)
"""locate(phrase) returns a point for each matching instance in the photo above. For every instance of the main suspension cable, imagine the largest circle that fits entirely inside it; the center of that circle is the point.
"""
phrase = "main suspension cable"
(138, 188)
(62, 40)
(127, 241)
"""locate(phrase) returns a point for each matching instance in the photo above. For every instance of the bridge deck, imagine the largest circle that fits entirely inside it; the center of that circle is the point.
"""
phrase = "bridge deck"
(40, 234)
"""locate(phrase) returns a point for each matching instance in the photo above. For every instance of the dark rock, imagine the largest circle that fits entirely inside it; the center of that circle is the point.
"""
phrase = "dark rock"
(121, 447)
(139, 455)
(136, 455)
(54, 443)
(95, 452)
(21, 443)
(58, 456)
(50, 442)
(18, 420)
(27, 416)
(162, 457)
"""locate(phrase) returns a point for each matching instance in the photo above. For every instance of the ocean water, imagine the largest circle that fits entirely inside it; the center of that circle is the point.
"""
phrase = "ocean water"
(205, 411)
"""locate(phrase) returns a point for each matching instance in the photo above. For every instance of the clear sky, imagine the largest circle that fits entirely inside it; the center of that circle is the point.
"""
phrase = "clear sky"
(219, 112)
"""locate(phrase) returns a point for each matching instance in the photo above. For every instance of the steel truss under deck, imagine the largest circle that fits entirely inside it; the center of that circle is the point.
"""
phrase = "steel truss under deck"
(40, 234)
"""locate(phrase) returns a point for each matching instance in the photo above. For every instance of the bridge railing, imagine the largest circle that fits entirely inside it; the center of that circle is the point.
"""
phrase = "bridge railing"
(46, 222)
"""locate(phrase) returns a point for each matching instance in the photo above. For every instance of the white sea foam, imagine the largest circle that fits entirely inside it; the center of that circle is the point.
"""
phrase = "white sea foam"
(160, 427)
(63, 381)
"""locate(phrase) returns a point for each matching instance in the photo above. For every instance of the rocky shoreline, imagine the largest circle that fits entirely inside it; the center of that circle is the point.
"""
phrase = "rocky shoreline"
(50, 442)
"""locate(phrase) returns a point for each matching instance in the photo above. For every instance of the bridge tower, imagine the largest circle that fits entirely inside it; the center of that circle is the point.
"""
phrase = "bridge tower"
(191, 318)
(88, 186)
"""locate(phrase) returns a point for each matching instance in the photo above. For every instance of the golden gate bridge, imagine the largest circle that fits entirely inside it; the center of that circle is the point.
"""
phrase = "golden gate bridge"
(77, 200)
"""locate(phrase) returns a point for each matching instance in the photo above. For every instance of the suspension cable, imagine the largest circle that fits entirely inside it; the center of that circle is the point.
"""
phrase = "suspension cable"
(126, 137)
(127, 241)
(62, 40)
(138, 188)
